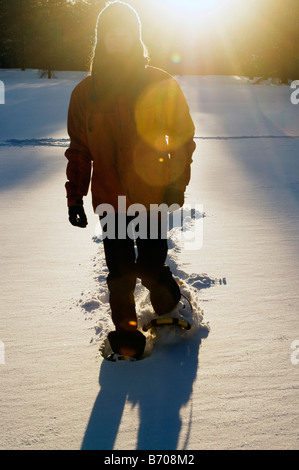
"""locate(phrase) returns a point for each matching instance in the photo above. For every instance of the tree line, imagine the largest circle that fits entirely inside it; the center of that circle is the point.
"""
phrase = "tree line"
(47, 34)
(52, 35)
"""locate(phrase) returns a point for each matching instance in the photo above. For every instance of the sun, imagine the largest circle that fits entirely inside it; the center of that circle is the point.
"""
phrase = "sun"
(208, 13)
(212, 31)
(193, 16)
(193, 6)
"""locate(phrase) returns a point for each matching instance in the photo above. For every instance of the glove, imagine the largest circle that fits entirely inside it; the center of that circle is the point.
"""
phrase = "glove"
(173, 196)
(77, 216)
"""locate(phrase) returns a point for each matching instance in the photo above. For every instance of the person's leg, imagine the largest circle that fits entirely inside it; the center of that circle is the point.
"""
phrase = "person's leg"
(121, 281)
(155, 275)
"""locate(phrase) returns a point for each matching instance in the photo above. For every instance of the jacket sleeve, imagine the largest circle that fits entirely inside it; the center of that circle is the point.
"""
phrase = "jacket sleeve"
(180, 130)
(79, 158)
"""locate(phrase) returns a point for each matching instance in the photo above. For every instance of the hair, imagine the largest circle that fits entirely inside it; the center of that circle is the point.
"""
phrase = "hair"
(117, 13)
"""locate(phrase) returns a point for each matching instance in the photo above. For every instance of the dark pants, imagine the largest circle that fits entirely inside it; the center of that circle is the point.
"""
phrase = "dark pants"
(148, 264)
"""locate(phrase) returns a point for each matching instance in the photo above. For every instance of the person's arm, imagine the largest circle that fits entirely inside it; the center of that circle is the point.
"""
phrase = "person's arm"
(180, 129)
(79, 161)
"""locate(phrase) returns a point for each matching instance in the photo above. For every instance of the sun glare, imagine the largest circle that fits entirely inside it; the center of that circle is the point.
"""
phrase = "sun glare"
(201, 36)
(193, 6)
(208, 13)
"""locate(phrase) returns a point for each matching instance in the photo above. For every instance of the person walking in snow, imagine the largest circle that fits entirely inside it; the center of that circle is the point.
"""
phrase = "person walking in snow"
(131, 135)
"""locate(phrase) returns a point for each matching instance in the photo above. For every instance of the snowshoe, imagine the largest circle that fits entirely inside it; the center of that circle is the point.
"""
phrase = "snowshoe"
(185, 309)
(181, 316)
(114, 357)
(166, 321)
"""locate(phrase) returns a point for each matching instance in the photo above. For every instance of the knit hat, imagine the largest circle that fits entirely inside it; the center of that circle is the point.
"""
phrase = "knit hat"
(117, 14)
(107, 76)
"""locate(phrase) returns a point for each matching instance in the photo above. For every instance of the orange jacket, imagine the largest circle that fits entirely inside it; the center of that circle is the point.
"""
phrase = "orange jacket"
(133, 147)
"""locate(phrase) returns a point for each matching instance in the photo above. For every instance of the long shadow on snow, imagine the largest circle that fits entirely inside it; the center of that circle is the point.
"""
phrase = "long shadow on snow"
(160, 385)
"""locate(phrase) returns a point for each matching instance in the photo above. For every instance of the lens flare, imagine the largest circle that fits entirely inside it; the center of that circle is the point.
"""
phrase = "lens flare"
(176, 58)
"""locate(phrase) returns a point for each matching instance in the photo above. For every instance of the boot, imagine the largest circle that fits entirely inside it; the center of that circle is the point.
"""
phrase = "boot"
(127, 343)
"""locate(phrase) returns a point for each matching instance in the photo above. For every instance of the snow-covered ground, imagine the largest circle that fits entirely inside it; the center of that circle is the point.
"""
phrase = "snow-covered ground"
(233, 384)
